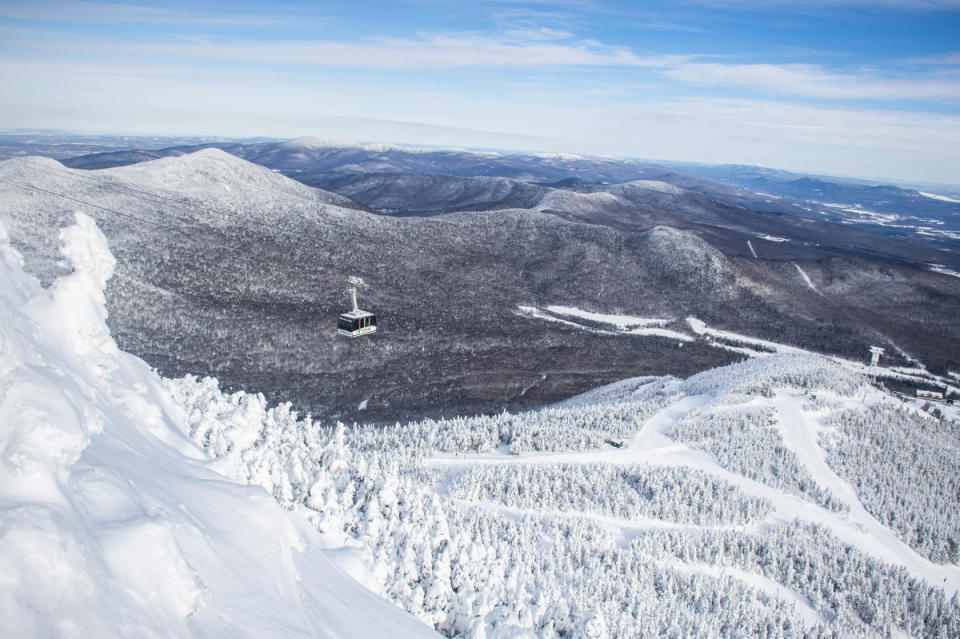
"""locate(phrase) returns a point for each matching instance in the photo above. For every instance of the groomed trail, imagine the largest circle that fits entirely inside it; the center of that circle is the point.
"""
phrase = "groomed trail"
(800, 430)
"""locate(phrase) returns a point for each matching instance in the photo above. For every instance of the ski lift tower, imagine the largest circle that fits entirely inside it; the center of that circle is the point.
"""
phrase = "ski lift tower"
(356, 322)
(875, 353)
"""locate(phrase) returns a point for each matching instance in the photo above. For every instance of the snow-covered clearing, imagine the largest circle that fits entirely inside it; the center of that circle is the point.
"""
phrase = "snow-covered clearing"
(535, 313)
(620, 321)
(939, 268)
(529, 386)
(735, 341)
(627, 325)
(754, 347)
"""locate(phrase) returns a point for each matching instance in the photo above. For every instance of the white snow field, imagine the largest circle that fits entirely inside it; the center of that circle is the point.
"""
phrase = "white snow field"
(112, 523)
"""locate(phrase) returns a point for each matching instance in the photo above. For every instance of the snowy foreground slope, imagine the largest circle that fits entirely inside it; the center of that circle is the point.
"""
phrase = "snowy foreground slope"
(112, 524)
(780, 497)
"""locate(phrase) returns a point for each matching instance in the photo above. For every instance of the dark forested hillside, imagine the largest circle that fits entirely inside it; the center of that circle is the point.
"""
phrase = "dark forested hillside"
(230, 269)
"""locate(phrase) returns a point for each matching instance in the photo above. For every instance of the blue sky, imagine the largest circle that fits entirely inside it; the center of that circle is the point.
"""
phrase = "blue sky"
(849, 87)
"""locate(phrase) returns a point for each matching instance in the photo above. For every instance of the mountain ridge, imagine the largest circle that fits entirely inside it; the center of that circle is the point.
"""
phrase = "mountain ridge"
(245, 284)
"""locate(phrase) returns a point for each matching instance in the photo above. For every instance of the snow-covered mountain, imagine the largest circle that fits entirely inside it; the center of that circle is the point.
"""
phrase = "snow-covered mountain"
(929, 214)
(787, 495)
(112, 523)
(737, 221)
(230, 269)
(848, 200)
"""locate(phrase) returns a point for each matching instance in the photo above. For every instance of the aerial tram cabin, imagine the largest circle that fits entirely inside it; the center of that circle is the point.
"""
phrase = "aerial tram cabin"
(356, 322)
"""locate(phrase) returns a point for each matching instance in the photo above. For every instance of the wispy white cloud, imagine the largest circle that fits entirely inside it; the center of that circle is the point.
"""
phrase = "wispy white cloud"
(860, 141)
(119, 13)
(949, 59)
(816, 82)
(671, 26)
(516, 49)
(536, 34)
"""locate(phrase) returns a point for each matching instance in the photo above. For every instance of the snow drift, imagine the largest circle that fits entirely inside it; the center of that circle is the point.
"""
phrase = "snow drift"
(111, 522)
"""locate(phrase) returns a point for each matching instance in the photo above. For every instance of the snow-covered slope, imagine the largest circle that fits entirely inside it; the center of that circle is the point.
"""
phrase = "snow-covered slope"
(212, 172)
(765, 498)
(187, 195)
(683, 257)
(112, 523)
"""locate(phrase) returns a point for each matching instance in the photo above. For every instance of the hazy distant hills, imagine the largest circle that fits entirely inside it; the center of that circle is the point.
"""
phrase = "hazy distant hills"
(414, 194)
(637, 206)
(231, 269)
(303, 156)
(880, 207)
(359, 171)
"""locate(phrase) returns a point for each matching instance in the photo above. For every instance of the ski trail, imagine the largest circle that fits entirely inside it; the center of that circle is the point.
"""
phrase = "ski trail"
(807, 613)
(628, 527)
(750, 246)
(800, 433)
(806, 278)
(524, 391)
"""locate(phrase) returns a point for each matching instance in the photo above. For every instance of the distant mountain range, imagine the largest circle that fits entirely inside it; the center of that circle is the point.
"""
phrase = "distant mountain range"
(885, 209)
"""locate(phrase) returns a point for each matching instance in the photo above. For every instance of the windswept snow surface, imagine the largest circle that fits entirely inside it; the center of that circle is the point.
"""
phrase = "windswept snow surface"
(112, 523)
